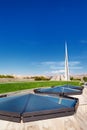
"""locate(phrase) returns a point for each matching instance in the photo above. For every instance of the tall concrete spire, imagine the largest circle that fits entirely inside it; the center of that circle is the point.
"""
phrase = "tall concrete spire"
(67, 78)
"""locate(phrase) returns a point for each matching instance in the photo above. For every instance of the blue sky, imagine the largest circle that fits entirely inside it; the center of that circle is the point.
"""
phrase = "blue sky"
(33, 34)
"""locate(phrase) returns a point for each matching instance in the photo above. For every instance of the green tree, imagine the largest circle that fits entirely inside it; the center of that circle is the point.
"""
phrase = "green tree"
(37, 78)
(71, 78)
(85, 79)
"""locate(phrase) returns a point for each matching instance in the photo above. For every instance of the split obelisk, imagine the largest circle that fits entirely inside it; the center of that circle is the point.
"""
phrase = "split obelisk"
(67, 78)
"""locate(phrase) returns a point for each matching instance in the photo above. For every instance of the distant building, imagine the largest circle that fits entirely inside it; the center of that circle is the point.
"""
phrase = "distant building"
(56, 78)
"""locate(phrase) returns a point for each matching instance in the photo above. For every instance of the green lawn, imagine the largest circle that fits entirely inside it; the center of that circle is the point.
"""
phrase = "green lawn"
(10, 87)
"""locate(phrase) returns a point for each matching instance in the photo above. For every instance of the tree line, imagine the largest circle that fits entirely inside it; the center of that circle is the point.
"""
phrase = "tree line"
(84, 79)
(6, 76)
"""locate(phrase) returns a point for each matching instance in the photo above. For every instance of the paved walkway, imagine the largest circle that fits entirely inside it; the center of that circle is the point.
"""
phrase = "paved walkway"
(75, 122)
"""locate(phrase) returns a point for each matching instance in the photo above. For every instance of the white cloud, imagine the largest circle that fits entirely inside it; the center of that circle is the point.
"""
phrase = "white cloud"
(74, 63)
(57, 71)
(76, 68)
(56, 67)
(52, 63)
(60, 64)
(83, 41)
(53, 67)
